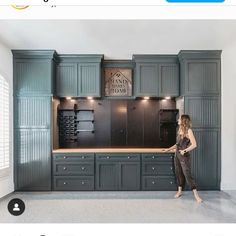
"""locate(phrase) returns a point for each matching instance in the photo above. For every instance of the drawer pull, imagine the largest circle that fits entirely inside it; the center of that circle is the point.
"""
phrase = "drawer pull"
(64, 168)
(64, 157)
(171, 168)
(65, 183)
(153, 168)
(82, 182)
(108, 157)
(171, 182)
(83, 157)
(82, 168)
(153, 182)
(128, 157)
(153, 157)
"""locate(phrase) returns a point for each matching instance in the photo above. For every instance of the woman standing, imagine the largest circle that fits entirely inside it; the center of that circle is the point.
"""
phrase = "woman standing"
(185, 143)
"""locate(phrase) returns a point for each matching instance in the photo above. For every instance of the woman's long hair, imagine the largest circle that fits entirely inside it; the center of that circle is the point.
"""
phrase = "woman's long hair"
(185, 124)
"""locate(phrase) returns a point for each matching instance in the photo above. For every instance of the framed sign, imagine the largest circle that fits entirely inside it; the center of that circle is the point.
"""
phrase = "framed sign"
(118, 82)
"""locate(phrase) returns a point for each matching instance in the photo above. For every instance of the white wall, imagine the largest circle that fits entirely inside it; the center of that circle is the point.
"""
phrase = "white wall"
(120, 39)
(6, 182)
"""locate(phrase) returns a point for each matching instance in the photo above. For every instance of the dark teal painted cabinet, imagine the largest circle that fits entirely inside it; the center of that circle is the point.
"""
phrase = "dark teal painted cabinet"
(168, 80)
(201, 91)
(79, 76)
(33, 88)
(200, 72)
(117, 172)
(156, 76)
(146, 80)
(66, 80)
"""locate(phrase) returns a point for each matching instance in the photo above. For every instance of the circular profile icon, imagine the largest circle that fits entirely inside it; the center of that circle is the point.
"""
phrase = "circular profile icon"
(16, 207)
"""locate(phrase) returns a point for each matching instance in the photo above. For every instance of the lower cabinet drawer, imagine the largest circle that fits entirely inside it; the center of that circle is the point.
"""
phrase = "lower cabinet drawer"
(157, 168)
(73, 183)
(73, 168)
(158, 183)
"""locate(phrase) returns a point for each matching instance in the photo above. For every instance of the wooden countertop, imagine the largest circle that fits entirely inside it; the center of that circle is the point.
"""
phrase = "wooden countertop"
(110, 150)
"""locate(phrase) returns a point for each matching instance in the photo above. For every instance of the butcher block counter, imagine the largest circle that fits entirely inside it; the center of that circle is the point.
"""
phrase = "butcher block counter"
(113, 169)
(110, 150)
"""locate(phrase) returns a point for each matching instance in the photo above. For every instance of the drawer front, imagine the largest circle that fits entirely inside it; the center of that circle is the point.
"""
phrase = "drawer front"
(118, 157)
(73, 183)
(157, 168)
(157, 157)
(158, 183)
(74, 157)
(77, 168)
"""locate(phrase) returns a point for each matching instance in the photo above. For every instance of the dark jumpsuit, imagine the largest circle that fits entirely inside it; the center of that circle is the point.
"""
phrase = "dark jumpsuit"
(183, 164)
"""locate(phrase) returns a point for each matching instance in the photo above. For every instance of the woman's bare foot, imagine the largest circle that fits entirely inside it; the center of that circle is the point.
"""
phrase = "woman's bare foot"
(198, 199)
(178, 194)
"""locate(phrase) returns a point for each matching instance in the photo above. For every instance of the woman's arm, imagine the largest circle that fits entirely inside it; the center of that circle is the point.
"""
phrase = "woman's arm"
(192, 141)
(171, 148)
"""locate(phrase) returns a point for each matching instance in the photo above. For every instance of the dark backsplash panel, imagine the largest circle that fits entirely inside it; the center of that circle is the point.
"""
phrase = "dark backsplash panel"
(119, 123)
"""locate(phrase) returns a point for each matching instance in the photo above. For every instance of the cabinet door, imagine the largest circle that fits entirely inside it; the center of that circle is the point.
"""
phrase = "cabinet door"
(33, 76)
(33, 159)
(32, 112)
(146, 80)
(169, 80)
(201, 77)
(107, 175)
(66, 80)
(89, 80)
(205, 159)
(129, 176)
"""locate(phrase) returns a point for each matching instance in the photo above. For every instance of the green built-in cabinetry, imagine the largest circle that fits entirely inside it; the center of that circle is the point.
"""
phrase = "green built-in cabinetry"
(113, 171)
(33, 89)
(79, 76)
(200, 91)
(118, 171)
(156, 76)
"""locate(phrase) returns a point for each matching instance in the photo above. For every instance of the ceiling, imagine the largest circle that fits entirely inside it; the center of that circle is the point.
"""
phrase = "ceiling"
(117, 39)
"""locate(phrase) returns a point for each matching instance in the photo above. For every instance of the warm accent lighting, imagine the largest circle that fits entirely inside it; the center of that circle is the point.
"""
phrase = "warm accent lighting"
(90, 98)
(146, 98)
(168, 98)
(68, 98)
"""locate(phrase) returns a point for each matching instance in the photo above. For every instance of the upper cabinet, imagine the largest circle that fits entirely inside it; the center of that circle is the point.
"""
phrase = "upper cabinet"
(200, 72)
(156, 76)
(33, 72)
(79, 76)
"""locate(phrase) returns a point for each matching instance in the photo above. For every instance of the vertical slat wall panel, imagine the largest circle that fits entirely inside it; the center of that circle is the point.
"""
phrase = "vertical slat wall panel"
(33, 159)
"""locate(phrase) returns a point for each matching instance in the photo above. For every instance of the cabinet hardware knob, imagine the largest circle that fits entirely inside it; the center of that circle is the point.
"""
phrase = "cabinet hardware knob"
(82, 182)
(153, 182)
(171, 168)
(64, 157)
(128, 157)
(153, 168)
(153, 157)
(108, 157)
(82, 168)
(65, 183)
(83, 157)
(64, 168)
(171, 182)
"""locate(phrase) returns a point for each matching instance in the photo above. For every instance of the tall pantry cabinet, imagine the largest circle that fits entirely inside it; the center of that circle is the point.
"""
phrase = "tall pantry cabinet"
(33, 91)
(201, 92)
